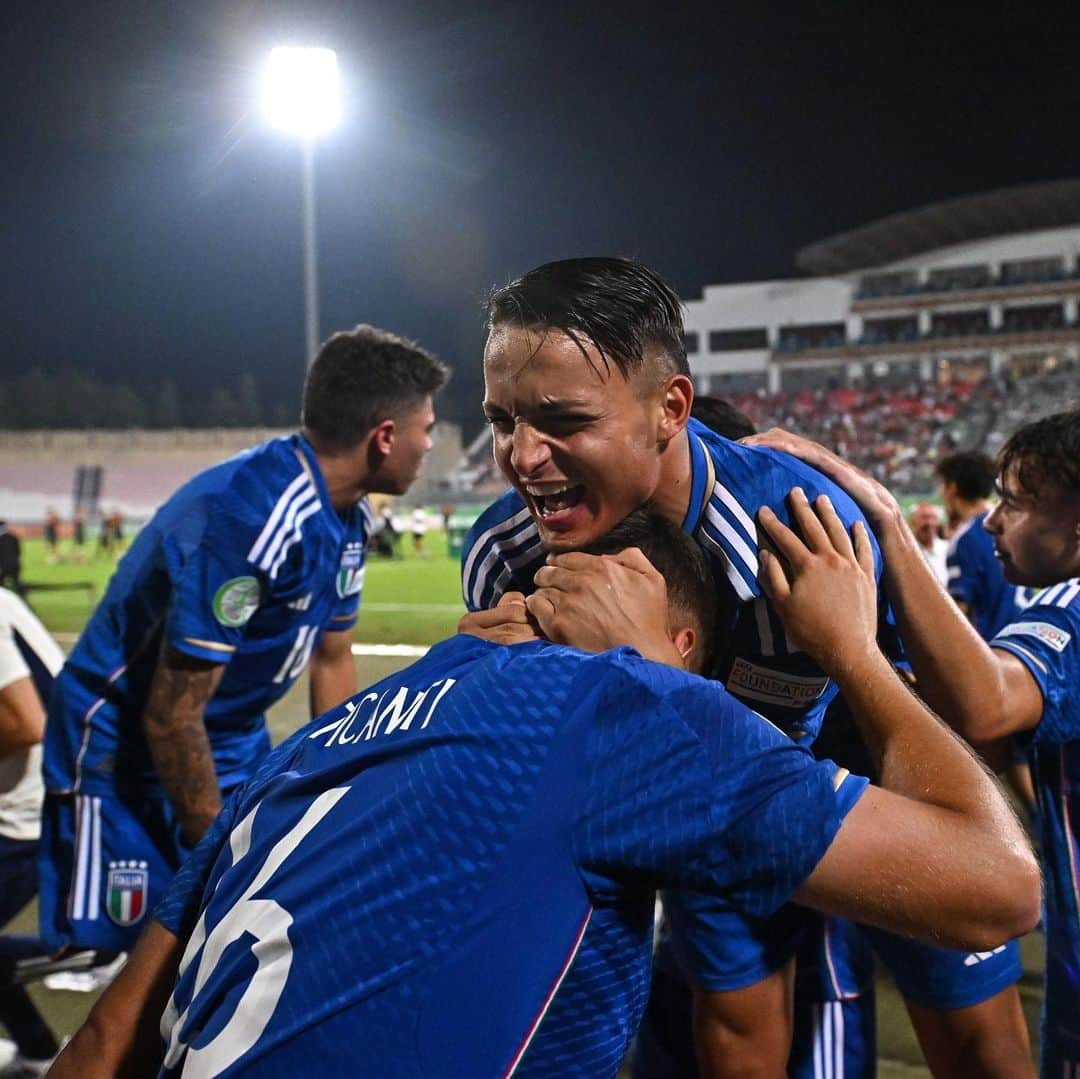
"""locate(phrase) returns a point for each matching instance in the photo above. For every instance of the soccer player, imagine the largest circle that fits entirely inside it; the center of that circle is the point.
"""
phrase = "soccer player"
(1023, 683)
(244, 577)
(976, 581)
(29, 660)
(587, 391)
(403, 887)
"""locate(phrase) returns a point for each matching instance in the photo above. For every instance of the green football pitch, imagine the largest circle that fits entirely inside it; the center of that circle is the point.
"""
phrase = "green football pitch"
(409, 600)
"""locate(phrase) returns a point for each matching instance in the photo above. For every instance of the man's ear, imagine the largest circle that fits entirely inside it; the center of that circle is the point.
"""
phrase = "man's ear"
(685, 639)
(382, 437)
(675, 402)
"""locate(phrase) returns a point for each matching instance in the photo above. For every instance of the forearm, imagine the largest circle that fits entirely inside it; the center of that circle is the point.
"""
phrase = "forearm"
(332, 680)
(22, 717)
(958, 674)
(120, 1036)
(179, 745)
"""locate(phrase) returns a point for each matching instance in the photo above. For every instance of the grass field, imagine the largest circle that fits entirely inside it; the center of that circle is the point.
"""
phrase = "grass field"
(410, 600)
(406, 600)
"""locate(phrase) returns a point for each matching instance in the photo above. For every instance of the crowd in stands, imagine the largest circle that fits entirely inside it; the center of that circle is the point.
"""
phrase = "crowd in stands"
(897, 434)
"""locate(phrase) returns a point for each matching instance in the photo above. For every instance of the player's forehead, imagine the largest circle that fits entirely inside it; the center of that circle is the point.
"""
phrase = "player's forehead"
(546, 369)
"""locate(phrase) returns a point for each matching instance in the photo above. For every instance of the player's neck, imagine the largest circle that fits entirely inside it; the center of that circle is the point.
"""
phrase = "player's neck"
(345, 484)
(966, 510)
(672, 496)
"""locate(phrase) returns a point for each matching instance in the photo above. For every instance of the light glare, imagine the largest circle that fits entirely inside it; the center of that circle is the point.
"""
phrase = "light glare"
(301, 90)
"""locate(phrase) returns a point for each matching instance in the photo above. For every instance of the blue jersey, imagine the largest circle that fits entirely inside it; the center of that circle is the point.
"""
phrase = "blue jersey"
(246, 565)
(977, 580)
(730, 482)
(452, 873)
(1046, 639)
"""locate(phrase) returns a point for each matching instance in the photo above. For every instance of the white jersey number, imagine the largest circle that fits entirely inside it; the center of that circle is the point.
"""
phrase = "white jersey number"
(265, 920)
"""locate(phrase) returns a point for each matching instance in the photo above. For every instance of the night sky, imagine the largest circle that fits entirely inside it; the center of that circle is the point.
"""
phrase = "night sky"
(152, 222)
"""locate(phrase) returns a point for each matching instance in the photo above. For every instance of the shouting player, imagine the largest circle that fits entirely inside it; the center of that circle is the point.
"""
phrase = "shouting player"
(403, 887)
(588, 394)
(248, 572)
(1024, 683)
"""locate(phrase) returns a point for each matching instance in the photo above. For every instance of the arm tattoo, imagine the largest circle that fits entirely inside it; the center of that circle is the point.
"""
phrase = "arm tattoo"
(176, 736)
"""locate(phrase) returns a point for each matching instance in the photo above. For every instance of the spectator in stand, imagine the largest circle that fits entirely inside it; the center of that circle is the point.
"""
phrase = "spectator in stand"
(52, 536)
(925, 521)
(10, 559)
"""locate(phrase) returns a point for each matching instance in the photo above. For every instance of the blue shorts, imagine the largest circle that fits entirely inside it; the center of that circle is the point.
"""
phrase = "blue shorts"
(835, 1038)
(105, 861)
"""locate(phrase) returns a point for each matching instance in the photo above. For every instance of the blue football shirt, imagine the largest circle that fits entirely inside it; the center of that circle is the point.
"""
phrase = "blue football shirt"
(977, 580)
(1046, 639)
(246, 565)
(452, 874)
(729, 483)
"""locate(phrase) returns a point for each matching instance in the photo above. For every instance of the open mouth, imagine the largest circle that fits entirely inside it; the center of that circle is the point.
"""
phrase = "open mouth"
(551, 501)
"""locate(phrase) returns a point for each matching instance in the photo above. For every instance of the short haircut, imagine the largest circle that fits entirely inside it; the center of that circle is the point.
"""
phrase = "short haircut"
(722, 417)
(1045, 453)
(622, 308)
(362, 377)
(973, 473)
(674, 554)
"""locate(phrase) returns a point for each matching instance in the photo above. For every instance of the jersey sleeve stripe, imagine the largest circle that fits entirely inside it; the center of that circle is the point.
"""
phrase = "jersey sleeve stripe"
(491, 546)
(213, 646)
(732, 503)
(1071, 594)
(1049, 595)
(734, 577)
(275, 517)
(488, 590)
(504, 528)
(300, 503)
(764, 626)
(309, 511)
(734, 543)
(1019, 650)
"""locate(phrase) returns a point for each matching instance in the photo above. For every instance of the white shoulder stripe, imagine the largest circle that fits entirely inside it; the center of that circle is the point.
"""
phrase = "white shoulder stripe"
(733, 575)
(1070, 594)
(275, 517)
(729, 500)
(307, 500)
(741, 547)
(502, 528)
(309, 511)
(494, 558)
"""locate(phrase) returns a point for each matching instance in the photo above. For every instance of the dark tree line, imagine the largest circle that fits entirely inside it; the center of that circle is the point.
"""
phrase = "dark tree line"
(38, 398)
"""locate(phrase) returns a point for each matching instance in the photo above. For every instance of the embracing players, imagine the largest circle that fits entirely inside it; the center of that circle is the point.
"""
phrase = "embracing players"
(245, 576)
(588, 395)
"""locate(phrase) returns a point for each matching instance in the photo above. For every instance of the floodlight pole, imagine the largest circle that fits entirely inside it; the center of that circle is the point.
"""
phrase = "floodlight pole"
(311, 272)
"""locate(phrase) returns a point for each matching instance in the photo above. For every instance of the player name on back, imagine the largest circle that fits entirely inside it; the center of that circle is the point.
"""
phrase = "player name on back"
(372, 714)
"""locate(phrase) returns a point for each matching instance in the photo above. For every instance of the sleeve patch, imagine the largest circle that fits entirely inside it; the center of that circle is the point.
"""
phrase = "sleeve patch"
(1052, 636)
(236, 601)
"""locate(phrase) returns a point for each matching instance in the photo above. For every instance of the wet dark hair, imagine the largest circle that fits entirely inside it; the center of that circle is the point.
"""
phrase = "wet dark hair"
(722, 417)
(680, 561)
(617, 305)
(973, 473)
(362, 377)
(1045, 453)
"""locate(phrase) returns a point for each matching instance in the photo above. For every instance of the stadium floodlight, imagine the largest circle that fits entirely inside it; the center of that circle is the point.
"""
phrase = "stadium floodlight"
(301, 90)
(301, 94)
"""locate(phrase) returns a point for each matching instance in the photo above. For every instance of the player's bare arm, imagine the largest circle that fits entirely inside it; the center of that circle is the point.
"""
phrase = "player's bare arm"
(986, 694)
(332, 671)
(120, 1036)
(938, 852)
(22, 716)
(746, 1033)
(176, 735)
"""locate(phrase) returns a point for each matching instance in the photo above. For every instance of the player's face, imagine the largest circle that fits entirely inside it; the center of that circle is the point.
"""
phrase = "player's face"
(576, 439)
(1036, 539)
(924, 523)
(412, 441)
